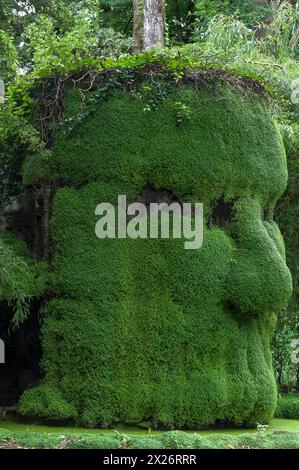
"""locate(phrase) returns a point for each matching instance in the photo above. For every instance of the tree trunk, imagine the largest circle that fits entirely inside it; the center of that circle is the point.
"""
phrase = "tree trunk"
(178, 27)
(154, 23)
(43, 225)
(138, 25)
(295, 38)
(275, 4)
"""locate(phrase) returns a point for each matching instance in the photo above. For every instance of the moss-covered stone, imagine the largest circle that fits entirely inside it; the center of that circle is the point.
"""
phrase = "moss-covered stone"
(143, 329)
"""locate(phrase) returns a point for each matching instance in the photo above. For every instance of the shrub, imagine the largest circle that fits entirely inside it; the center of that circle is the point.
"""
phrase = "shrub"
(287, 407)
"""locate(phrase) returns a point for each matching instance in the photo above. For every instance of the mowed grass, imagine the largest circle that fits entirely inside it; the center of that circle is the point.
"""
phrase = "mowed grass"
(277, 424)
(281, 434)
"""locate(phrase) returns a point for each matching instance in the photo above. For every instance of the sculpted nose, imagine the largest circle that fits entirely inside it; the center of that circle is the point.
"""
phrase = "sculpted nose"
(259, 280)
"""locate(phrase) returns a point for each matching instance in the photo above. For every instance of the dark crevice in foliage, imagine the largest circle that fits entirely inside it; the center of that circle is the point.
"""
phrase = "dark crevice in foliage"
(267, 213)
(27, 216)
(222, 213)
(151, 195)
(22, 354)
(237, 314)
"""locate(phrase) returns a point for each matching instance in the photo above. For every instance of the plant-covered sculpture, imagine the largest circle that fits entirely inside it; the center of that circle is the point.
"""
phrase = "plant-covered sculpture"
(142, 329)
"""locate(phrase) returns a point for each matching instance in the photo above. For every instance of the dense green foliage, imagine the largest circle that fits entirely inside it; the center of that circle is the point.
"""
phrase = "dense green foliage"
(143, 329)
(243, 10)
(287, 216)
(21, 277)
(288, 407)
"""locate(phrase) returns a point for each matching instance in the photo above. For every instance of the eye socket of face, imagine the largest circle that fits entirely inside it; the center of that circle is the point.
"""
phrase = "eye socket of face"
(149, 195)
(222, 213)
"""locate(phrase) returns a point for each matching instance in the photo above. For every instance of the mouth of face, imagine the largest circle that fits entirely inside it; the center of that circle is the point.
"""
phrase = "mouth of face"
(222, 211)
(240, 316)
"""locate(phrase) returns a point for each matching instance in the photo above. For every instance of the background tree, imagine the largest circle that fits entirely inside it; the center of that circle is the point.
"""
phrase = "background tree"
(138, 18)
(154, 23)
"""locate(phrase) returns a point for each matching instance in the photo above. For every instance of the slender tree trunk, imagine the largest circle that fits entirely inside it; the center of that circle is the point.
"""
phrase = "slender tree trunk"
(43, 226)
(297, 380)
(154, 23)
(295, 38)
(138, 17)
(275, 4)
(178, 18)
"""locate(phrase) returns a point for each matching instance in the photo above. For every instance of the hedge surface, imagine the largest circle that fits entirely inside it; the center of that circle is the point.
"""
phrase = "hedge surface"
(288, 407)
(142, 329)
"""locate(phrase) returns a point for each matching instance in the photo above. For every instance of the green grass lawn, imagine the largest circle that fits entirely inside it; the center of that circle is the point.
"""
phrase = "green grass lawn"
(289, 425)
(281, 434)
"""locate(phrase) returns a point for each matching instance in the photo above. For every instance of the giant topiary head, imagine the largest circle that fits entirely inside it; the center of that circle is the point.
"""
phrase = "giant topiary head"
(142, 329)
